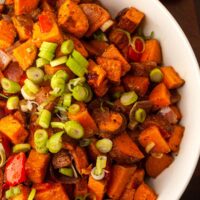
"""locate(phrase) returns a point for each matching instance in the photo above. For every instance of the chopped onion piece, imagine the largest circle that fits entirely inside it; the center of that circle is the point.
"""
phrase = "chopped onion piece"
(107, 25)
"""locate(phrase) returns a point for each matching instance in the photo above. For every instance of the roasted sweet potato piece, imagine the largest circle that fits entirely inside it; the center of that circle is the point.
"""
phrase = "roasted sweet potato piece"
(112, 68)
(24, 26)
(152, 52)
(96, 15)
(95, 47)
(144, 192)
(125, 150)
(46, 191)
(80, 158)
(13, 72)
(54, 35)
(131, 19)
(73, 19)
(102, 90)
(36, 166)
(9, 2)
(20, 116)
(119, 179)
(152, 134)
(25, 6)
(154, 166)
(78, 45)
(24, 193)
(93, 151)
(176, 138)
(81, 187)
(109, 122)
(85, 119)
(98, 188)
(7, 34)
(177, 112)
(13, 129)
(171, 78)
(113, 53)
(160, 96)
(137, 83)
(25, 54)
(4, 60)
(138, 178)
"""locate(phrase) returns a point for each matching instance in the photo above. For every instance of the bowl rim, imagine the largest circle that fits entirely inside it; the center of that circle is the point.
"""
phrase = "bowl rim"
(196, 67)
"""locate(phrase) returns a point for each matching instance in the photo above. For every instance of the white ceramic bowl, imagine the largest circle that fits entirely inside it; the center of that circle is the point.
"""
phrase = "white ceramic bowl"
(177, 52)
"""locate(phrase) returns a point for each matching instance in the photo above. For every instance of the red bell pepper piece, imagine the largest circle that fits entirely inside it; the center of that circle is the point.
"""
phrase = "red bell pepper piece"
(15, 169)
(133, 55)
(22, 79)
(45, 23)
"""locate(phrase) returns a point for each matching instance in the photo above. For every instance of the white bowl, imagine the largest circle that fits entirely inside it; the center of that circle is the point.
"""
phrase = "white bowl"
(177, 52)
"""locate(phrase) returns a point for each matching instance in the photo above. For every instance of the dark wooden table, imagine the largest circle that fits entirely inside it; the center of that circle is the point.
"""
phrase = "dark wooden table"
(188, 16)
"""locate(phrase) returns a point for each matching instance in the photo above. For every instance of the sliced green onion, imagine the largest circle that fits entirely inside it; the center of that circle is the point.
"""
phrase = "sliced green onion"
(40, 62)
(140, 115)
(101, 163)
(58, 91)
(99, 176)
(74, 82)
(67, 47)
(61, 74)
(57, 82)
(116, 95)
(46, 55)
(81, 60)
(90, 94)
(35, 74)
(31, 86)
(67, 100)
(54, 144)
(85, 142)
(12, 192)
(75, 67)
(44, 118)
(133, 44)
(48, 46)
(101, 36)
(104, 145)
(58, 61)
(107, 25)
(3, 96)
(80, 93)
(10, 86)
(27, 94)
(156, 75)
(40, 137)
(74, 129)
(127, 34)
(32, 194)
(2, 156)
(128, 98)
(74, 109)
(12, 103)
(21, 148)
(59, 125)
(66, 171)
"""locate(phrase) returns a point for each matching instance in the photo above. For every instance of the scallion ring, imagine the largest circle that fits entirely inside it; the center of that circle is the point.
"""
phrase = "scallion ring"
(104, 145)
(2, 156)
(128, 98)
(10, 86)
(13, 103)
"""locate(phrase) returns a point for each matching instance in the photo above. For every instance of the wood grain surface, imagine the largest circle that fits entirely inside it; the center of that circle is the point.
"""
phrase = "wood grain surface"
(187, 13)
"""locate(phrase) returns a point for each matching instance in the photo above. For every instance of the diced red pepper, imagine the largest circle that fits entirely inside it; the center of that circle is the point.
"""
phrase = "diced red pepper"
(139, 45)
(45, 23)
(22, 79)
(15, 169)
(6, 144)
(132, 55)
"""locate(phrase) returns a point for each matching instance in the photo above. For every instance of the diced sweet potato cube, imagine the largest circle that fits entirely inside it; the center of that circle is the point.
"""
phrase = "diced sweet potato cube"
(24, 193)
(81, 187)
(20, 117)
(160, 96)
(25, 6)
(54, 191)
(85, 119)
(96, 15)
(7, 34)
(144, 192)
(112, 68)
(171, 78)
(131, 19)
(152, 52)
(72, 19)
(13, 129)
(177, 111)
(152, 134)
(54, 35)
(36, 166)
(24, 26)
(113, 53)
(25, 54)
(98, 188)
(119, 179)
(176, 138)
(9, 2)
(154, 166)
(137, 83)
(138, 178)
